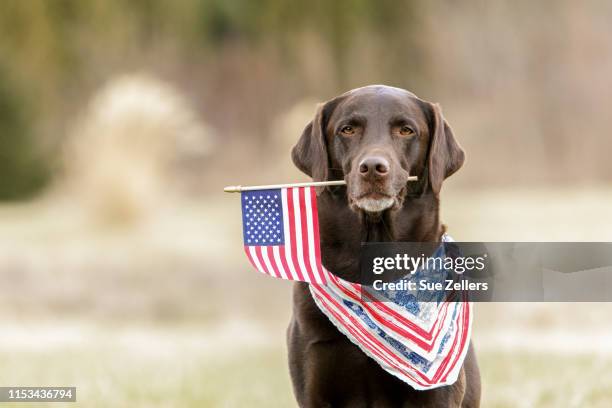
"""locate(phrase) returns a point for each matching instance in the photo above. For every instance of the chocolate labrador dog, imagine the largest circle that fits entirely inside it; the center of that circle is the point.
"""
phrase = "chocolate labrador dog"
(372, 137)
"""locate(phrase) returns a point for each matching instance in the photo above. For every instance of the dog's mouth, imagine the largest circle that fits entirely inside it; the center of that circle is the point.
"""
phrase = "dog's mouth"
(374, 190)
(374, 202)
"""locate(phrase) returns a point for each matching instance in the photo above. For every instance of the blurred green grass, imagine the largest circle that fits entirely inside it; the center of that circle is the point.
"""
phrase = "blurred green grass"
(160, 366)
(237, 372)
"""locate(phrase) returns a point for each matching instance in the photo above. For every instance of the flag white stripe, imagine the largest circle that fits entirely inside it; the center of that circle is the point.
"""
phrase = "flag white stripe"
(266, 259)
(298, 232)
(279, 263)
(255, 258)
(311, 241)
(287, 234)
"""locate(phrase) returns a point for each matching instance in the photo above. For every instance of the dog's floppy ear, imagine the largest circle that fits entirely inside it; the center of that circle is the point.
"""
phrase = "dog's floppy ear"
(310, 153)
(445, 154)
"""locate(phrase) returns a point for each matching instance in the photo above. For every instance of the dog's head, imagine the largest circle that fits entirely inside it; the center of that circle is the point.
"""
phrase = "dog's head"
(374, 138)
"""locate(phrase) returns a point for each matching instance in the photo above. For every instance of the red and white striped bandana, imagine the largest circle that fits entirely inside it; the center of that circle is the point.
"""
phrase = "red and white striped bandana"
(421, 343)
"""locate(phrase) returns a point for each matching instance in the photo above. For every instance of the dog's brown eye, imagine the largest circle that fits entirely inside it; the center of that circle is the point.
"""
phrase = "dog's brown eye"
(406, 131)
(347, 130)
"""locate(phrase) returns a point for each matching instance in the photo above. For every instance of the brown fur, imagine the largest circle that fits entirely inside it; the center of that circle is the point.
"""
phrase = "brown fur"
(327, 370)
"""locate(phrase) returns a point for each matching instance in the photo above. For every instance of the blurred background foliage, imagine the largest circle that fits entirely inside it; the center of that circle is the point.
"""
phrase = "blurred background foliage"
(519, 80)
(21, 165)
(54, 54)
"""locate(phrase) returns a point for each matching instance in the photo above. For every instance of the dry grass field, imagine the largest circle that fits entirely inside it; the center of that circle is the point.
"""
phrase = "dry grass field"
(168, 314)
(240, 364)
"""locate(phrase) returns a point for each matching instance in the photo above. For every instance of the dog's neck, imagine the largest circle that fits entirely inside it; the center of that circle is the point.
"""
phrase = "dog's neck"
(342, 230)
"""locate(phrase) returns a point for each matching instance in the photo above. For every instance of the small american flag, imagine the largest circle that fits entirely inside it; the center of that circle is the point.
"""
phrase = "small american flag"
(281, 233)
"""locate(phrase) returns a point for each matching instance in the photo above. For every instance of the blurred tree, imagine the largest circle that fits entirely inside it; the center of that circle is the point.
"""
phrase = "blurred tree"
(488, 58)
(22, 171)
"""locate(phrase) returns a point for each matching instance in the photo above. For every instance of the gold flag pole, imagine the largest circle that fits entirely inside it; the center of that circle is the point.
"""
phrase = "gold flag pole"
(237, 189)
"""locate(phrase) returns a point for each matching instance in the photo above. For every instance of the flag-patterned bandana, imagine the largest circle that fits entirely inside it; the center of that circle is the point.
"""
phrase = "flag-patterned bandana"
(421, 343)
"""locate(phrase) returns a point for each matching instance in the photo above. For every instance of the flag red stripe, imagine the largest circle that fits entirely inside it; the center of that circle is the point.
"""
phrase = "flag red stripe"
(293, 247)
(261, 261)
(259, 250)
(315, 228)
(286, 249)
(284, 265)
(305, 240)
(270, 253)
(278, 261)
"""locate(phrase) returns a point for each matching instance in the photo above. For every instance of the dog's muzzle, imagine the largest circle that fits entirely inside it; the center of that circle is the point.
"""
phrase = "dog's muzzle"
(374, 186)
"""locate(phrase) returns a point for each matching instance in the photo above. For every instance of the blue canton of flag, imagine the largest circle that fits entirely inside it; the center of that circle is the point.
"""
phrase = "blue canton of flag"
(262, 217)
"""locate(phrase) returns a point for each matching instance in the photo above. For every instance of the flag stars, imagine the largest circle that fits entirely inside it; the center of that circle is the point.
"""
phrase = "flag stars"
(262, 218)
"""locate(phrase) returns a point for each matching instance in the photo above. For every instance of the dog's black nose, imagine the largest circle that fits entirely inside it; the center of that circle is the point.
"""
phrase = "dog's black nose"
(374, 166)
